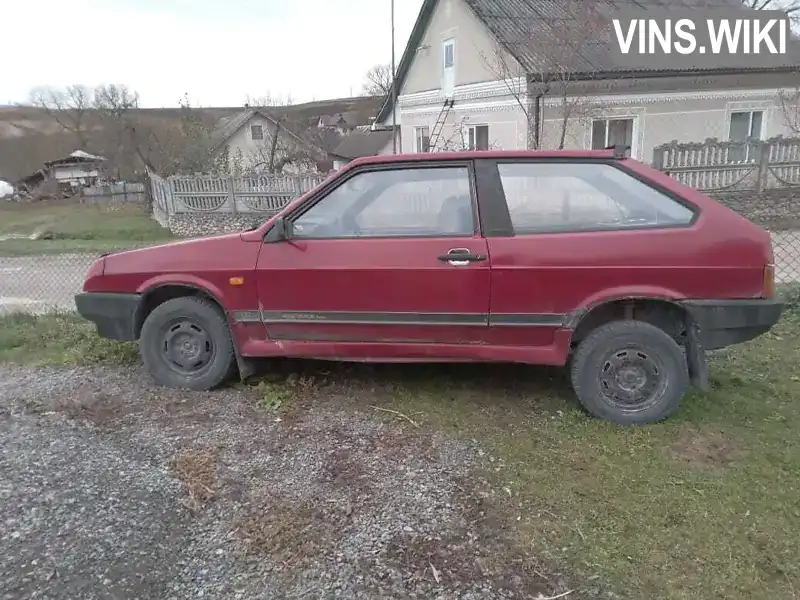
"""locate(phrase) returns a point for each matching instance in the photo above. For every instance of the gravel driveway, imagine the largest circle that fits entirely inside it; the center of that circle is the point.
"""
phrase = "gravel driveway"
(114, 488)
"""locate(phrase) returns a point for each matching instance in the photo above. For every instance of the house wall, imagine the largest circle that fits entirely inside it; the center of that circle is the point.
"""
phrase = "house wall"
(256, 153)
(660, 118)
(506, 126)
(475, 50)
(250, 148)
(74, 173)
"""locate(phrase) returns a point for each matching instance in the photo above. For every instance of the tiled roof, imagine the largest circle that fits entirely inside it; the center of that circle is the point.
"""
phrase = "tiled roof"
(533, 31)
(530, 28)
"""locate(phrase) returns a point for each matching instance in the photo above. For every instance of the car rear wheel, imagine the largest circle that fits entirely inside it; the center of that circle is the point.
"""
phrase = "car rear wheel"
(186, 343)
(629, 372)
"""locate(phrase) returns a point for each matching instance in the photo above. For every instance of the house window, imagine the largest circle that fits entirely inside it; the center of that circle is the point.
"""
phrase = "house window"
(449, 53)
(422, 139)
(448, 67)
(746, 125)
(256, 132)
(612, 132)
(478, 137)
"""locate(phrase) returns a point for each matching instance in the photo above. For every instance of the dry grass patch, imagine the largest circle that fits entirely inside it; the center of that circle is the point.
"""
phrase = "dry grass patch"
(706, 449)
(98, 408)
(289, 531)
(197, 470)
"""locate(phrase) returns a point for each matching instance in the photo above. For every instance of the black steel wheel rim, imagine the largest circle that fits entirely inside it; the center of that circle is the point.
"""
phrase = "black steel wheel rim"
(632, 379)
(186, 347)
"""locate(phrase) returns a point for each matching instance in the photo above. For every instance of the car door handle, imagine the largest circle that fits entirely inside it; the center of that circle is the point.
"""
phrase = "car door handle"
(460, 257)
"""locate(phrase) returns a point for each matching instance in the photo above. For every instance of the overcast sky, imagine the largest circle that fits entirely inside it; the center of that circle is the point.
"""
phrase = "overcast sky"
(217, 51)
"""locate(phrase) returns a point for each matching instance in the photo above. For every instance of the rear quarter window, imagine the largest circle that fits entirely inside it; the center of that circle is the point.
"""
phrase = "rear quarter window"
(552, 197)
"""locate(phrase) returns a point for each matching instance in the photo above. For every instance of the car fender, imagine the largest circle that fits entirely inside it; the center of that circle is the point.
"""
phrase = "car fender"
(695, 354)
(186, 279)
(649, 292)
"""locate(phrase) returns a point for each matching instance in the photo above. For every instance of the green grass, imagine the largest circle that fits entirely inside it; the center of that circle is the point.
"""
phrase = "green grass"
(59, 339)
(705, 505)
(77, 228)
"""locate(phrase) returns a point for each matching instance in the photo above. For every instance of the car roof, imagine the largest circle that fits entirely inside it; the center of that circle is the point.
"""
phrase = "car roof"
(491, 154)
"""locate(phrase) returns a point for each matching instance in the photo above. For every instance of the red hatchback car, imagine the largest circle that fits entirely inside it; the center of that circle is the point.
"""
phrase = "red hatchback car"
(585, 258)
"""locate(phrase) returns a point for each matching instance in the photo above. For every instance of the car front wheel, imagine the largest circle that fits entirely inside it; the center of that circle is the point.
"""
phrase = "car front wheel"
(186, 343)
(630, 373)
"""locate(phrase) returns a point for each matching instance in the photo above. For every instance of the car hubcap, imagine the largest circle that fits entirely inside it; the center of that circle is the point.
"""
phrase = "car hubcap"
(187, 348)
(631, 379)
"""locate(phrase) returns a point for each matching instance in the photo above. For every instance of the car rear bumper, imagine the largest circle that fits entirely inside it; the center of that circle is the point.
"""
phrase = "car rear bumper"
(113, 314)
(726, 322)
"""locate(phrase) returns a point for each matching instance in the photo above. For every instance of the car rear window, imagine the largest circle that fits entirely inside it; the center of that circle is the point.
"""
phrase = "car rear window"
(552, 197)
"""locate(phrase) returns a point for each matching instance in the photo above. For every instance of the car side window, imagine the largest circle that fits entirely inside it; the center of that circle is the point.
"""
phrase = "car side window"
(562, 197)
(407, 202)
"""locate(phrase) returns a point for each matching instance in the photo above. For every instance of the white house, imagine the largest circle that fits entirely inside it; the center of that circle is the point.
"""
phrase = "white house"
(78, 169)
(475, 74)
(256, 140)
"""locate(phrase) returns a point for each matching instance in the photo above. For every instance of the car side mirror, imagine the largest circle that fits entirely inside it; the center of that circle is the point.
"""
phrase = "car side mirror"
(281, 230)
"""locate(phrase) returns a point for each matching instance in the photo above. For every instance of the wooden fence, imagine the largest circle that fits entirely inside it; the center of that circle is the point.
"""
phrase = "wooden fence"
(114, 193)
(714, 165)
(212, 194)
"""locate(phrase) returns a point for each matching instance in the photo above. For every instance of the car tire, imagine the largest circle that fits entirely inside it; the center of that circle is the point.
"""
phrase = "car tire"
(630, 373)
(186, 343)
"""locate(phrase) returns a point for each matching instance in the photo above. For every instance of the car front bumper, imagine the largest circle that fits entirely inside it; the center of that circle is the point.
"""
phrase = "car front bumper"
(114, 314)
(723, 323)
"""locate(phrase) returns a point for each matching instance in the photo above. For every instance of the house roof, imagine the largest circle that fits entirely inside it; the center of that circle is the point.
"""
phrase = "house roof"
(525, 27)
(76, 156)
(363, 143)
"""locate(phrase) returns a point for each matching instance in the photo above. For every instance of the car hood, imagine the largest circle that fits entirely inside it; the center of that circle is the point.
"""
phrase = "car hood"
(180, 255)
(175, 244)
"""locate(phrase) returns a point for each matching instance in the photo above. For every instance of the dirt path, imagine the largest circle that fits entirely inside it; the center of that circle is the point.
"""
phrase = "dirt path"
(112, 488)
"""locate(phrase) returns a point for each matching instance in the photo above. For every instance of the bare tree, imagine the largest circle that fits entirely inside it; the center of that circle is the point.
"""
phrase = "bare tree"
(118, 111)
(457, 138)
(790, 108)
(790, 7)
(559, 66)
(378, 81)
(69, 107)
(268, 100)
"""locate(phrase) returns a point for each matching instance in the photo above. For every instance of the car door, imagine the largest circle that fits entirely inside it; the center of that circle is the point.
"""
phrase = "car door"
(578, 231)
(387, 254)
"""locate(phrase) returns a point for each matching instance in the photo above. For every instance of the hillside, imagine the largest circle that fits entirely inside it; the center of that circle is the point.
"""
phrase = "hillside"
(29, 135)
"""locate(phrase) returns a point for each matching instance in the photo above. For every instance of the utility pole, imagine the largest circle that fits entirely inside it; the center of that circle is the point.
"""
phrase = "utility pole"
(394, 90)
